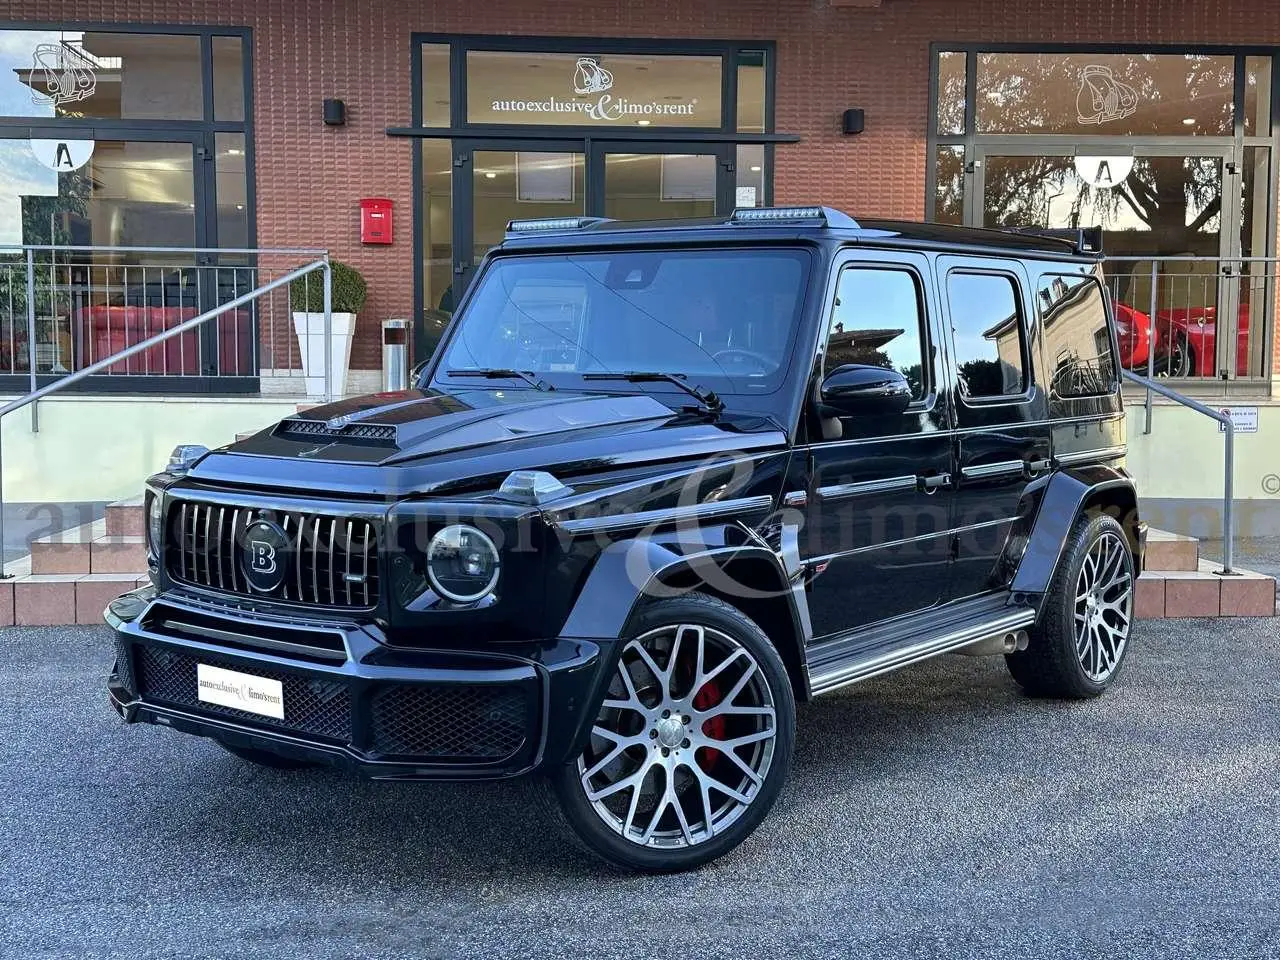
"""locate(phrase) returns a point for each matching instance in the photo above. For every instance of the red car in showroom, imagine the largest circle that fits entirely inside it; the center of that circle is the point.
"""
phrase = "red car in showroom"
(1185, 340)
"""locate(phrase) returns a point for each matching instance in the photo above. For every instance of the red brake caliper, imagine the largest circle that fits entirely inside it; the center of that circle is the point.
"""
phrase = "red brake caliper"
(714, 728)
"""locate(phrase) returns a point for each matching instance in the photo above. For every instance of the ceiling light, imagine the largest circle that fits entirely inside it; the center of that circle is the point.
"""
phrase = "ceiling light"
(755, 169)
(490, 175)
(234, 151)
(1189, 122)
(239, 206)
(642, 123)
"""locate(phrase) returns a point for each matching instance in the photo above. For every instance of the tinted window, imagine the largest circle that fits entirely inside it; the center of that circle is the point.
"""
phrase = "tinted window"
(725, 318)
(987, 324)
(877, 321)
(1075, 333)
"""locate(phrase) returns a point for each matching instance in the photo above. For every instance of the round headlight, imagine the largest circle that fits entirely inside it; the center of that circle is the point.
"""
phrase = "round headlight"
(155, 523)
(462, 563)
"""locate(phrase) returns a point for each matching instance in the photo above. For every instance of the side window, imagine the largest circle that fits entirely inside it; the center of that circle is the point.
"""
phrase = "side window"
(986, 321)
(878, 321)
(1077, 342)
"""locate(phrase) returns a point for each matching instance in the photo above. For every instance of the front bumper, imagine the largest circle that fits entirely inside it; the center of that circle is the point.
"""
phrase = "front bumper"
(349, 698)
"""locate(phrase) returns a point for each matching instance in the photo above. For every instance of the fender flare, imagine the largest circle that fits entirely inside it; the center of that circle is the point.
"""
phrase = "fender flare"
(1063, 498)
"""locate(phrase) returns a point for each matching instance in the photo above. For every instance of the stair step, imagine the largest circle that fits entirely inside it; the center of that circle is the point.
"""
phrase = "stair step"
(125, 519)
(61, 599)
(88, 549)
(1171, 551)
(1204, 593)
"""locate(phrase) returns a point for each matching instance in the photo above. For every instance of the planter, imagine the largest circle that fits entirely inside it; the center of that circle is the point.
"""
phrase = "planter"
(310, 330)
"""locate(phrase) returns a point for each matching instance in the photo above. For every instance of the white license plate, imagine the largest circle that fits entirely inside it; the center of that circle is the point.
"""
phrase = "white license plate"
(240, 691)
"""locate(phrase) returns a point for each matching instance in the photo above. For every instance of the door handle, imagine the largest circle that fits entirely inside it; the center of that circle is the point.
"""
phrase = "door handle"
(932, 483)
(1038, 466)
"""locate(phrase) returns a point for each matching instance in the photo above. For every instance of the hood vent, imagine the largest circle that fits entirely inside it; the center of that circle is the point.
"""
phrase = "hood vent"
(380, 433)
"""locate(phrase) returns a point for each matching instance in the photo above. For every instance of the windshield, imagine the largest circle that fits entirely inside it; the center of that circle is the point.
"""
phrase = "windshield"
(723, 318)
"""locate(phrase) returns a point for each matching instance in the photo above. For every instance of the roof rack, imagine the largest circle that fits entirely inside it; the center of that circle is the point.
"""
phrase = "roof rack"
(1085, 240)
(823, 216)
(552, 224)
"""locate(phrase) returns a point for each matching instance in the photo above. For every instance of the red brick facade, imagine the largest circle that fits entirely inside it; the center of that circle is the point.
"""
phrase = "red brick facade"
(309, 176)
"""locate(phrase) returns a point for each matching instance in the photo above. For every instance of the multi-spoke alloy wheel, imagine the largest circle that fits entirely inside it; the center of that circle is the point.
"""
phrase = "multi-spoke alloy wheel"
(690, 743)
(1079, 643)
(1104, 605)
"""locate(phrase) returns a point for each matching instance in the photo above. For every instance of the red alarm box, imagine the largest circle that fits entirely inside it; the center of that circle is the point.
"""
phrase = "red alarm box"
(375, 220)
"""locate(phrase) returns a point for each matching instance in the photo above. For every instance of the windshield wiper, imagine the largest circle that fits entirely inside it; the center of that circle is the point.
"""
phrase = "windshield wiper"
(502, 373)
(706, 398)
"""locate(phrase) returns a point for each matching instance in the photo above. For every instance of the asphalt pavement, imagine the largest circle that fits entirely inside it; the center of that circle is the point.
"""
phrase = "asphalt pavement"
(934, 813)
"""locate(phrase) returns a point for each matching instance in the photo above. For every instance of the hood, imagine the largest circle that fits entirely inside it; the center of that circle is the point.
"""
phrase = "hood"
(427, 441)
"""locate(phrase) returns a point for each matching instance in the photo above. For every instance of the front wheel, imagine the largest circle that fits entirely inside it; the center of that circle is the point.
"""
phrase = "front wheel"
(691, 744)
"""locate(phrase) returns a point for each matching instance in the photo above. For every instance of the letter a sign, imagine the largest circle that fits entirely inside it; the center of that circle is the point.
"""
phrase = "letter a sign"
(1104, 173)
(62, 156)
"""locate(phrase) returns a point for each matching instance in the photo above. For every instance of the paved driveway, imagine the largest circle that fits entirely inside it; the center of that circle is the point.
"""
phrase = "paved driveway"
(935, 813)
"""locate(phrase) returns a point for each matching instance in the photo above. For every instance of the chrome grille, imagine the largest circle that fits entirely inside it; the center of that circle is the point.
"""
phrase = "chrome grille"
(357, 431)
(332, 561)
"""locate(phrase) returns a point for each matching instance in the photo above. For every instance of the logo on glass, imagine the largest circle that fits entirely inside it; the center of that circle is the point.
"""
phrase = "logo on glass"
(263, 554)
(61, 74)
(590, 77)
(1103, 98)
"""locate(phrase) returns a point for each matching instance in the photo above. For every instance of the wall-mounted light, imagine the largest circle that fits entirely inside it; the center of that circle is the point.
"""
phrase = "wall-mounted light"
(855, 121)
(335, 113)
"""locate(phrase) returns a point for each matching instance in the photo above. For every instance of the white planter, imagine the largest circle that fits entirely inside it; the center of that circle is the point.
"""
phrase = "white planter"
(310, 330)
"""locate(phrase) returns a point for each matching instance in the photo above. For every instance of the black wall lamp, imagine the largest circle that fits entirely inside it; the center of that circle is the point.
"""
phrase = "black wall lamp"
(855, 121)
(335, 113)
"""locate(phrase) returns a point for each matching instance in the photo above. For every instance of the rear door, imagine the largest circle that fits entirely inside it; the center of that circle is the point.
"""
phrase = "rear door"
(876, 511)
(1002, 438)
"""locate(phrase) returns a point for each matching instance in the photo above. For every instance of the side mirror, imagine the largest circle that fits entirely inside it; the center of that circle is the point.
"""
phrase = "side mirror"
(858, 390)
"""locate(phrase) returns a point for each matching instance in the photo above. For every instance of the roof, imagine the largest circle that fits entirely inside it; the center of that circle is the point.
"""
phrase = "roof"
(792, 222)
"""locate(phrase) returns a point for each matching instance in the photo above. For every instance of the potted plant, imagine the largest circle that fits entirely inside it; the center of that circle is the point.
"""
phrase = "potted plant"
(306, 296)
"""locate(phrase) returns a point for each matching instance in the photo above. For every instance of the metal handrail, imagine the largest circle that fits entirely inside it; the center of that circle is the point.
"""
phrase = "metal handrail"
(321, 264)
(1228, 486)
(254, 251)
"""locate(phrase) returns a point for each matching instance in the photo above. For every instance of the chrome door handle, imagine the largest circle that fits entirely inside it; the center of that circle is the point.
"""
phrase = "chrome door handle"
(1038, 466)
(933, 482)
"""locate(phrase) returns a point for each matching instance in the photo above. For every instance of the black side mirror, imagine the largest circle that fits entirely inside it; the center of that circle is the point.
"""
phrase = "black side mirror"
(858, 390)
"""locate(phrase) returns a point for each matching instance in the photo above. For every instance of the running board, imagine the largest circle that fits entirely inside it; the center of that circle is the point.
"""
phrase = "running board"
(833, 677)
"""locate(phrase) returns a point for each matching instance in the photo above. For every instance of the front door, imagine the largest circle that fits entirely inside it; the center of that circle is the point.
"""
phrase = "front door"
(875, 538)
(657, 181)
(1001, 410)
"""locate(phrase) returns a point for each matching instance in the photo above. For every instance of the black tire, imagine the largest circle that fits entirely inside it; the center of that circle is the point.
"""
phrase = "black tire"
(686, 842)
(265, 758)
(1059, 661)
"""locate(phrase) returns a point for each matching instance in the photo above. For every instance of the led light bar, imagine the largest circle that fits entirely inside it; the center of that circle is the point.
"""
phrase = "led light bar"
(548, 224)
(824, 216)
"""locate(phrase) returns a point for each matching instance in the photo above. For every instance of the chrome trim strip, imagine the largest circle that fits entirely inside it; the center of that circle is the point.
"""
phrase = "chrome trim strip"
(887, 485)
(1088, 456)
(842, 676)
(645, 518)
(993, 469)
(962, 431)
(949, 532)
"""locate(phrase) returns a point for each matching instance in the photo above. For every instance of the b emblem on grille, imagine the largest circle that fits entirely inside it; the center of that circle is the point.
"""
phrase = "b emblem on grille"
(263, 554)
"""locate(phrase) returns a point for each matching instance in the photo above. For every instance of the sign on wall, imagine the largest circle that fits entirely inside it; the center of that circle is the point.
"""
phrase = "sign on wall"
(1244, 419)
(62, 156)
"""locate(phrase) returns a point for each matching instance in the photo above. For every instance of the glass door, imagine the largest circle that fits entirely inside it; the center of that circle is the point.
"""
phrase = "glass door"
(1151, 201)
(661, 181)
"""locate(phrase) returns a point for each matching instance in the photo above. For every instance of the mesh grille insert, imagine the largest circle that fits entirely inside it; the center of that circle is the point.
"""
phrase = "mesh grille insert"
(450, 722)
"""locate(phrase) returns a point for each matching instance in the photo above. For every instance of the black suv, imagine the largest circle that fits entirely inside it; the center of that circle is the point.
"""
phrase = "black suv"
(659, 483)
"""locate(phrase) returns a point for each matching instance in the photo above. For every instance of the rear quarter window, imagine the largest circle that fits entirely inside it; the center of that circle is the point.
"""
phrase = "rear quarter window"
(1077, 341)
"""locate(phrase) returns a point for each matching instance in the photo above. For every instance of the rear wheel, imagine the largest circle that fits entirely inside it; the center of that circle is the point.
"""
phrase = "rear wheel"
(1079, 645)
(691, 744)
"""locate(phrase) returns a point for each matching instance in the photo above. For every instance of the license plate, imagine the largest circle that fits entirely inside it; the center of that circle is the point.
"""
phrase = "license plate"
(240, 691)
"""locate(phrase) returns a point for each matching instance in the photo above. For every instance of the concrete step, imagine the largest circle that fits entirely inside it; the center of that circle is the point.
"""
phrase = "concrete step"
(1204, 593)
(61, 599)
(125, 519)
(1172, 551)
(88, 549)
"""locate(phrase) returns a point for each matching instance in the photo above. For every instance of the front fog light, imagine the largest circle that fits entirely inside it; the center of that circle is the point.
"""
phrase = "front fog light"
(155, 523)
(462, 563)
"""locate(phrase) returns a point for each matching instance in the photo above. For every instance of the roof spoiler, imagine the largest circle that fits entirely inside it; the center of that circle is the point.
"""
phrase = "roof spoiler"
(1086, 241)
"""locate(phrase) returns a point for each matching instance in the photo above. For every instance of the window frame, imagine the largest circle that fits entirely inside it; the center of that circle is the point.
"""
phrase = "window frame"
(928, 349)
(1108, 329)
(1025, 337)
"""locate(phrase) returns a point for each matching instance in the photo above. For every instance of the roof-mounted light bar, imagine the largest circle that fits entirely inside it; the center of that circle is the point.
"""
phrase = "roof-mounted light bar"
(823, 216)
(553, 224)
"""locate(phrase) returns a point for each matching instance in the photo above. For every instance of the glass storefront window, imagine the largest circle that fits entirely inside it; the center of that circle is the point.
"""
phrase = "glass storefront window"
(570, 89)
(435, 85)
(749, 183)
(949, 196)
(1257, 96)
(130, 76)
(751, 91)
(232, 190)
(658, 186)
(953, 71)
(523, 185)
(228, 78)
(1105, 94)
(438, 293)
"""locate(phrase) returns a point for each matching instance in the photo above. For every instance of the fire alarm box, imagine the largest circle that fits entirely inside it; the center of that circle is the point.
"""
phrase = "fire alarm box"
(375, 220)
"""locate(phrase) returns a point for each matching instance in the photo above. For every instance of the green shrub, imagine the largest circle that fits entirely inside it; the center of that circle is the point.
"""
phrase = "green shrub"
(306, 294)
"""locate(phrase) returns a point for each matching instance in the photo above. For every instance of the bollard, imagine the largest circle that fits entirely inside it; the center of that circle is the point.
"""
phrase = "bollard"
(395, 355)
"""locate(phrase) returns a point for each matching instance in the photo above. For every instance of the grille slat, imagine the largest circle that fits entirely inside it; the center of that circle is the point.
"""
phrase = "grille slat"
(382, 433)
(207, 551)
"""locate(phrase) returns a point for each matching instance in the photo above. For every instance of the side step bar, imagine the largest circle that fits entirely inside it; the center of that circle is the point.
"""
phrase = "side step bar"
(834, 676)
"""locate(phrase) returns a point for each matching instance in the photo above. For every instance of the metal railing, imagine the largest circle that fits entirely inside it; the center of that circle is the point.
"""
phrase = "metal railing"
(64, 308)
(1194, 318)
(320, 265)
(1228, 482)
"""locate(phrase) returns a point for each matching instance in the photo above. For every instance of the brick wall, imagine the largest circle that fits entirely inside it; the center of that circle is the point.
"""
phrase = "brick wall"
(309, 176)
